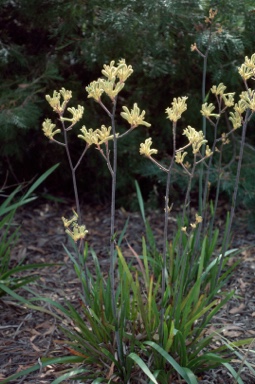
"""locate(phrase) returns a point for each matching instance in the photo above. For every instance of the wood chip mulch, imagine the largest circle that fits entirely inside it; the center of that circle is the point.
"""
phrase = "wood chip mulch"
(27, 335)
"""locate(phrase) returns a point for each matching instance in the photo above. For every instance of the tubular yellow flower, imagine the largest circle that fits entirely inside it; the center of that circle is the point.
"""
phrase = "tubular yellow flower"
(77, 114)
(48, 129)
(110, 71)
(67, 95)
(240, 107)
(199, 219)
(236, 119)
(229, 99)
(145, 148)
(104, 134)
(193, 47)
(208, 151)
(78, 232)
(245, 72)
(207, 109)
(95, 90)
(196, 138)
(54, 101)
(224, 139)
(69, 222)
(123, 71)
(179, 105)
(219, 90)
(247, 69)
(179, 157)
(248, 98)
(90, 136)
(111, 88)
(134, 117)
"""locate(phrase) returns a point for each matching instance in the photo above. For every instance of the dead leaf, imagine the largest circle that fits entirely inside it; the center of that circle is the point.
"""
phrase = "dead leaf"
(236, 310)
(232, 333)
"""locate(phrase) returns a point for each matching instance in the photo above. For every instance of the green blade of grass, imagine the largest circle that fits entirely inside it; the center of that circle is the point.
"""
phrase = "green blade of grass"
(69, 375)
(185, 373)
(43, 363)
(140, 201)
(143, 366)
(233, 373)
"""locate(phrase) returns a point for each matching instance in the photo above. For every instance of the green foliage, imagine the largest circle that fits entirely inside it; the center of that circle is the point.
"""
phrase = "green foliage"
(71, 41)
(190, 302)
(10, 273)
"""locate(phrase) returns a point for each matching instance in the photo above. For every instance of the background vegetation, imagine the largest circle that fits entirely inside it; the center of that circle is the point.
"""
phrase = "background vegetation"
(53, 43)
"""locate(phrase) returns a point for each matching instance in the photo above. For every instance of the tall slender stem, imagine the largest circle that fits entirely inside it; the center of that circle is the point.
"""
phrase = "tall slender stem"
(166, 215)
(234, 197)
(112, 234)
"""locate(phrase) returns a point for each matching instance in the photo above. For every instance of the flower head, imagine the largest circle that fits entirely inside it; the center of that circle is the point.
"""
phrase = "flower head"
(248, 98)
(145, 148)
(236, 119)
(76, 232)
(198, 220)
(179, 105)
(134, 117)
(240, 107)
(229, 99)
(90, 136)
(179, 157)
(48, 129)
(77, 114)
(196, 138)
(95, 90)
(54, 101)
(123, 71)
(219, 90)
(207, 110)
(247, 69)
(111, 88)
(110, 71)
(104, 135)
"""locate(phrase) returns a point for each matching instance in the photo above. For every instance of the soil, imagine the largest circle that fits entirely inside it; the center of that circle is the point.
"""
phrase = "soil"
(27, 335)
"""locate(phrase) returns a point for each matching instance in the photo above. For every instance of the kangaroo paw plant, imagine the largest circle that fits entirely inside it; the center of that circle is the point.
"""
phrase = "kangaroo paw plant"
(150, 321)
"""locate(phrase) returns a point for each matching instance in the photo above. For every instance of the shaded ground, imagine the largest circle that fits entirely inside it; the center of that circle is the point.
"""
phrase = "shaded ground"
(27, 335)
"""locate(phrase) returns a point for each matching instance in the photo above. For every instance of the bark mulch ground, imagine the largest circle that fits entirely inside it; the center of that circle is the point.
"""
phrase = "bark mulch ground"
(27, 335)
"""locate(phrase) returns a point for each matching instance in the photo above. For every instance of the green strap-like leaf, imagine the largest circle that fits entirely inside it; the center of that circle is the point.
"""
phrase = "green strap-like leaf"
(143, 366)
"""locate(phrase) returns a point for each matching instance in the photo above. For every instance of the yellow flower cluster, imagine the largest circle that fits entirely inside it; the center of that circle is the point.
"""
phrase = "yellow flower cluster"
(97, 137)
(77, 114)
(134, 117)
(55, 103)
(110, 85)
(179, 105)
(76, 232)
(145, 148)
(247, 69)
(196, 138)
(48, 129)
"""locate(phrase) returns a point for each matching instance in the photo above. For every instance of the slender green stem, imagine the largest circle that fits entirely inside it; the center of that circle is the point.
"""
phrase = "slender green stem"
(166, 215)
(234, 197)
(201, 173)
(187, 197)
(112, 234)
(76, 196)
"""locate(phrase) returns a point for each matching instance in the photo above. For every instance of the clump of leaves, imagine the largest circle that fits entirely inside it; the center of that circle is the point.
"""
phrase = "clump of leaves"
(10, 277)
